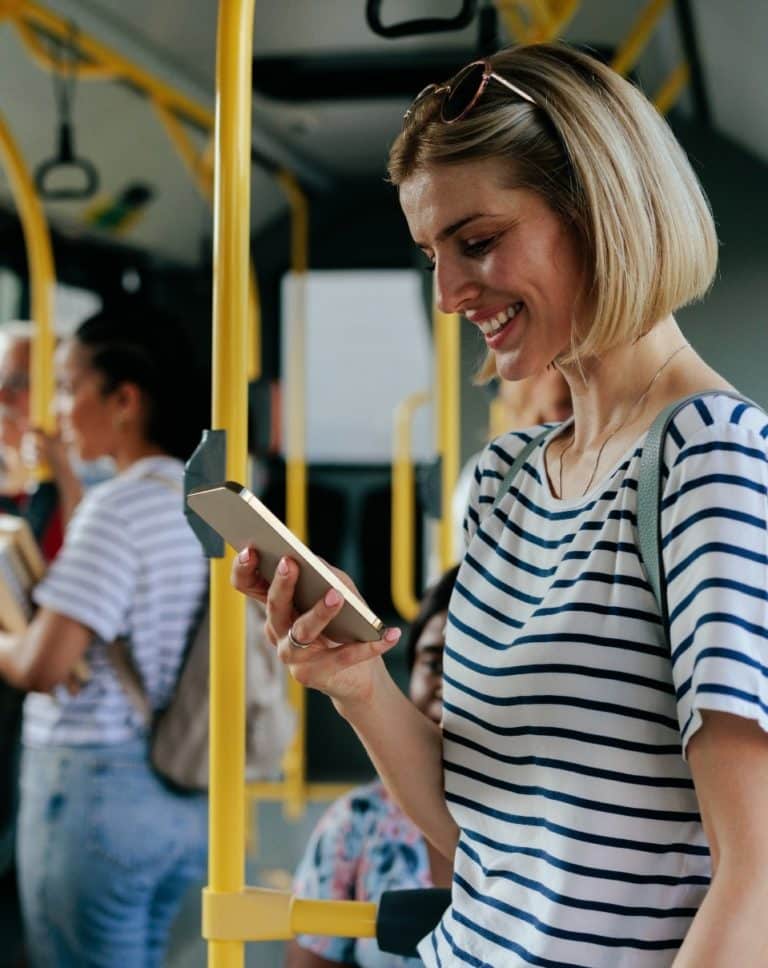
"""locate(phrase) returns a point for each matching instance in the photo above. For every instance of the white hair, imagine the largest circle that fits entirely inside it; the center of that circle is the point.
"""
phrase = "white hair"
(16, 330)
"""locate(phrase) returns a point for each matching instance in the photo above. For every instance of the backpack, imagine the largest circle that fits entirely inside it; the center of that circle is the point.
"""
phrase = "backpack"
(178, 742)
(178, 733)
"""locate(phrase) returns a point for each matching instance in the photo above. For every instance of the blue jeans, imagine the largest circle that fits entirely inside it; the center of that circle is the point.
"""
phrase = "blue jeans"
(105, 855)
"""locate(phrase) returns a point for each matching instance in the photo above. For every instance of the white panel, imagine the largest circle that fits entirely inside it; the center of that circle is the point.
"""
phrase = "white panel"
(367, 348)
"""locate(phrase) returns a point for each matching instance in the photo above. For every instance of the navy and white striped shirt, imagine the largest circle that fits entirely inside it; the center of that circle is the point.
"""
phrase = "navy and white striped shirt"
(130, 567)
(566, 719)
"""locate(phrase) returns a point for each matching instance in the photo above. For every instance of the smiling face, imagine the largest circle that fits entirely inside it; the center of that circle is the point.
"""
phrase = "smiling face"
(502, 258)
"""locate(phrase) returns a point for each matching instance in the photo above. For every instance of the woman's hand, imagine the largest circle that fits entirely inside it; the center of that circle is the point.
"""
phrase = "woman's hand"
(39, 448)
(343, 672)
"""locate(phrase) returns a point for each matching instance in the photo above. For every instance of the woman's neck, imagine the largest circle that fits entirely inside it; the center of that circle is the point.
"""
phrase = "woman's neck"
(131, 451)
(631, 383)
(616, 398)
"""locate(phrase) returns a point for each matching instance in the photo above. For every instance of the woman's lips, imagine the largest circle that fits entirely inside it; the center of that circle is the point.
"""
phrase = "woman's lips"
(493, 342)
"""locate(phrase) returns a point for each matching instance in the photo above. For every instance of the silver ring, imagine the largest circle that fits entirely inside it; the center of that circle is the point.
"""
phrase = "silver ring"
(295, 642)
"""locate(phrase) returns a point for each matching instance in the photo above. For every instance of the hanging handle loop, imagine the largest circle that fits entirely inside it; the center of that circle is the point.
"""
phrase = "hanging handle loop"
(77, 178)
(424, 25)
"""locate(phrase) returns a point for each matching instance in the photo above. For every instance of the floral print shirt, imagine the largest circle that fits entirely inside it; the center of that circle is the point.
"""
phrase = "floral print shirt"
(363, 845)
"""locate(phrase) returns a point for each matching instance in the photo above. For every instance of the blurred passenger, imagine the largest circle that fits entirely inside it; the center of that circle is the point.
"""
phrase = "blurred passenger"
(105, 849)
(544, 398)
(365, 845)
(19, 493)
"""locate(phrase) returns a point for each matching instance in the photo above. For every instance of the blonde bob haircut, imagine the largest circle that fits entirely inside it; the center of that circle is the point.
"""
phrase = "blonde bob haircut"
(598, 152)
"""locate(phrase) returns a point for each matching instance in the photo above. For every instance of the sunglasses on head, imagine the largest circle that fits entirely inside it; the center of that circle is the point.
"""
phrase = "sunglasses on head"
(462, 92)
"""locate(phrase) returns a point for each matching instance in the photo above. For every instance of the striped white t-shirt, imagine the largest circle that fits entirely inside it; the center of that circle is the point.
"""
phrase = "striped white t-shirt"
(130, 567)
(566, 718)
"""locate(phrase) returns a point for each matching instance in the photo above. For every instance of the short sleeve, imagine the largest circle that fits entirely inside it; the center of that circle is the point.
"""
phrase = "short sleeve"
(94, 576)
(328, 871)
(715, 551)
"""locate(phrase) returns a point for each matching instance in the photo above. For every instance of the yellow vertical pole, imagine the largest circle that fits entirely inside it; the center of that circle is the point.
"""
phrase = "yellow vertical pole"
(37, 241)
(294, 764)
(403, 528)
(446, 337)
(231, 230)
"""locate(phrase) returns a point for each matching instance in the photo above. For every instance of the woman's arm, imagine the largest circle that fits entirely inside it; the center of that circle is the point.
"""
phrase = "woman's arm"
(729, 763)
(47, 654)
(405, 747)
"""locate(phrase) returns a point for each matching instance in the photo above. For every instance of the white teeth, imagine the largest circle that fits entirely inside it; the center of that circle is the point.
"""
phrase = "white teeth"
(496, 323)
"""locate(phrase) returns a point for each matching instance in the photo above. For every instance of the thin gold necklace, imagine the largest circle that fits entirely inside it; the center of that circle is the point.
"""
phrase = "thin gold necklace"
(613, 433)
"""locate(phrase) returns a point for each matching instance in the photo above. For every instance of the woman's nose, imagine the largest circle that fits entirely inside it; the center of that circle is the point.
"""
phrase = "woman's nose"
(455, 287)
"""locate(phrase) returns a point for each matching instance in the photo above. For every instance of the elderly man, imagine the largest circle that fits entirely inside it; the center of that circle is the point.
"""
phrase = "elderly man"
(15, 342)
(48, 505)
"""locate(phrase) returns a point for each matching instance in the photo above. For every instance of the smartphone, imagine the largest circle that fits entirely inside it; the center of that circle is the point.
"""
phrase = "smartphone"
(242, 520)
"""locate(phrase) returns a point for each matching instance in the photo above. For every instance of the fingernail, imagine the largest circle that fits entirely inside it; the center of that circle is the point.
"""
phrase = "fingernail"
(244, 556)
(332, 598)
(392, 635)
(282, 567)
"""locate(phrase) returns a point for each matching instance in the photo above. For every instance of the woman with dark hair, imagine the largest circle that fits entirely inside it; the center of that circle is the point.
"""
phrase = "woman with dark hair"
(105, 850)
(364, 844)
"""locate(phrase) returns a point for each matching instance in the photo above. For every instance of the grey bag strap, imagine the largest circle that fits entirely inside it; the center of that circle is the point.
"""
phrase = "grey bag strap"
(518, 462)
(649, 495)
(120, 657)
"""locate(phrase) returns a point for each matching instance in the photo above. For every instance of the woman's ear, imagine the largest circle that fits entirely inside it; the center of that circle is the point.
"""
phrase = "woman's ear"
(129, 401)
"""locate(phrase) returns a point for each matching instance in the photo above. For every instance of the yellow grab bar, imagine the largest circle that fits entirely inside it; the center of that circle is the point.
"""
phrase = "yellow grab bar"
(403, 518)
(630, 51)
(37, 241)
(101, 60)
(536, 21)
(198, 162)
(294, 764)
(231, 221)
(446, 336)
(41, 55)
(260, 914)
(672, 88)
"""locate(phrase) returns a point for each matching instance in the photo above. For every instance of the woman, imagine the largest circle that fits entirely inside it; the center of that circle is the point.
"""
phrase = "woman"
(365, 845)
(604, 799)
(105, 850)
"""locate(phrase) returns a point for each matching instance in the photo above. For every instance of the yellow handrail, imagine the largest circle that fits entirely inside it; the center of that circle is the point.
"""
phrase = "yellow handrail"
(37, 241)
(536, 21)
(197, 162)
(231, 220)
(635, 43)
(446, 336)
(294, 764)
(672, 87)
(42, 56)
(403, 524)
(259, 914)
(101, 60)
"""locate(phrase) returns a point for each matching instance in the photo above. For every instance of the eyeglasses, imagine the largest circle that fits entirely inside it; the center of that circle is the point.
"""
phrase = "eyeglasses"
(463, 91)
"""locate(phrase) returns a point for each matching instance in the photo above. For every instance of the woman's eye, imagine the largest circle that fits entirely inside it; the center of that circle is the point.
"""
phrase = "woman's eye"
(479, 246)
(428, 265)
